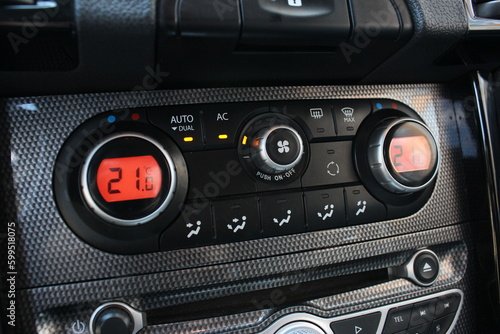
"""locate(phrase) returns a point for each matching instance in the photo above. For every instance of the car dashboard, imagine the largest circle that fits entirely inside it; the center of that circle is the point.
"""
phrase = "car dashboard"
(249, 167)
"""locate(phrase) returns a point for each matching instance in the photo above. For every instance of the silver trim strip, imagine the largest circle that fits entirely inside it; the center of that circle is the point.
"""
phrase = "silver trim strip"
(124, 222)
(487, 116)
(324, 324)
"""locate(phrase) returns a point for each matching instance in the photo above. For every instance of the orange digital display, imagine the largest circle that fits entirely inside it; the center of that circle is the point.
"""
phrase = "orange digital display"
(410, 154)
(126, 179)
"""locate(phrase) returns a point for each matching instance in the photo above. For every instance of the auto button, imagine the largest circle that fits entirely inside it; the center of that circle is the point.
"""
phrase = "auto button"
(182, 123)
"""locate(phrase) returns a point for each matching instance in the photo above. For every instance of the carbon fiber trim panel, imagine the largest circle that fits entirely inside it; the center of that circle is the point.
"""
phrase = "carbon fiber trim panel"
(39, 126)
(57, 307)
(383, 294)
(63, 279)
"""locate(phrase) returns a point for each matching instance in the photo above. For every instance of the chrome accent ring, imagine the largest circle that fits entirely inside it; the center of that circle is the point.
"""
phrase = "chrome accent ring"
(376, 157)
(266, 160)
(127, 222)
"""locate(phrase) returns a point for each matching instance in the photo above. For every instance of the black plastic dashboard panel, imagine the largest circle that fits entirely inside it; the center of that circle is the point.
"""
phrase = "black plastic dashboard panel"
(75, 276)
(438, 28)
(234, 42)
(155, 293)
(125, 31)
(106, 31)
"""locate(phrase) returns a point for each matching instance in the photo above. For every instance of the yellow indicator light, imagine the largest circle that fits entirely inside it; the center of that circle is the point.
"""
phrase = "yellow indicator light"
(223, 136)
(244, 141)
(188, 139)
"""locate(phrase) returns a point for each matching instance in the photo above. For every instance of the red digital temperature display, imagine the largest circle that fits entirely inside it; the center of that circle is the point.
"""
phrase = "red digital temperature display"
(410, 154)
(126, 179)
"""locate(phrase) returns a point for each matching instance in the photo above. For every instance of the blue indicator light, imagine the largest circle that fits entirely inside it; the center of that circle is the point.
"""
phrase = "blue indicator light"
(379, 105)
(111, 119)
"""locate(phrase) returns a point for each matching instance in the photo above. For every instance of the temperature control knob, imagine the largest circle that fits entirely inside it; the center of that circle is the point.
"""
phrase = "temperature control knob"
(403, 155)
(272, 148)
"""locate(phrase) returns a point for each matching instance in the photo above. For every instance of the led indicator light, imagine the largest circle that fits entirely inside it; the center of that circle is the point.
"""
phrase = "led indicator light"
(379, 105)
(244, 141)
(188, 139)
(111, 119)
(223, 136)
(394, 106)
(136, 117)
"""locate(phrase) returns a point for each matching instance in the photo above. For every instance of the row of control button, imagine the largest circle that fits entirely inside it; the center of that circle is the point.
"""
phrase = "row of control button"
(429, 317)
(420, 318)
(433, 314)
(216, 126)
(205, 222)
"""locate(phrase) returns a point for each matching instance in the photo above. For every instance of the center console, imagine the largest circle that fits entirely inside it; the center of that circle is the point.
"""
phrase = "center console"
(241, 171)
(308, 209)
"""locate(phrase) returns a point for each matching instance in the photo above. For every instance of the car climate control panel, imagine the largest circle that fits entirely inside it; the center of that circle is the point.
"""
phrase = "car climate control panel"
(163, 178)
